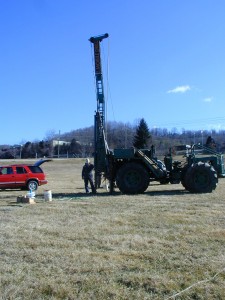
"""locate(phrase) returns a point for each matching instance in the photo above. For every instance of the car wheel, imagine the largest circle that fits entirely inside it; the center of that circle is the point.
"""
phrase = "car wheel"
(32, 185)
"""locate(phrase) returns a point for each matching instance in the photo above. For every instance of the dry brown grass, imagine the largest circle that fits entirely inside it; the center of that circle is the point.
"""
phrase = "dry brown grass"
(151, 246)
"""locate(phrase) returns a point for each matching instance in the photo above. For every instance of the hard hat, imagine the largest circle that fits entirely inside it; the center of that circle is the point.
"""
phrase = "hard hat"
(87, 161)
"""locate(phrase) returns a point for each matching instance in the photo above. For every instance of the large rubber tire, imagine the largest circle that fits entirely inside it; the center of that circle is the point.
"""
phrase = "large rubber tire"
(201, 178)
(186, 182)
(185, 179)
(132, 178)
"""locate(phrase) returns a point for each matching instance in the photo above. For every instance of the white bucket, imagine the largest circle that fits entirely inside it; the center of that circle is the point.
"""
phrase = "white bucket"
(30, 194)
(48, 195)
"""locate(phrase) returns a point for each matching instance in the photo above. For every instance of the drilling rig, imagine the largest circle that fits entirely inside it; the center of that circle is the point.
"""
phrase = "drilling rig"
(102, 152)
(131, 170)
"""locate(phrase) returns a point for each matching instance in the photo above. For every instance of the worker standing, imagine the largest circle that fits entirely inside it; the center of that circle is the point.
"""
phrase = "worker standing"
(87, 176)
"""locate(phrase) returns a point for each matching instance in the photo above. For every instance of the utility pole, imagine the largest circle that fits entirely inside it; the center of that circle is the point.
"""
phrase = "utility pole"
(21, 146)
(58, 143)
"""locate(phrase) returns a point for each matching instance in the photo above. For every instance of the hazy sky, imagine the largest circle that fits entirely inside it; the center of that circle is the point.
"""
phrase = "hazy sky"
(164, 61)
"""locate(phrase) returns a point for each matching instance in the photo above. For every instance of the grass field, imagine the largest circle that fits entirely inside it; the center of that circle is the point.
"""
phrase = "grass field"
(164, 244)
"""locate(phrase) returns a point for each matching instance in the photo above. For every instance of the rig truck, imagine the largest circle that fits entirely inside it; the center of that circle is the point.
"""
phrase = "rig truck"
(131, 170)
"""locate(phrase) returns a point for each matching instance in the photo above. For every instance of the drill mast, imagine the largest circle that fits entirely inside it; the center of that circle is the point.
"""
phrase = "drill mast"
(101, 147)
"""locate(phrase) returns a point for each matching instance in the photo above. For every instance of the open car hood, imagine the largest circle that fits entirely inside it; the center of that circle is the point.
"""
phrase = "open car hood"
(41, 161)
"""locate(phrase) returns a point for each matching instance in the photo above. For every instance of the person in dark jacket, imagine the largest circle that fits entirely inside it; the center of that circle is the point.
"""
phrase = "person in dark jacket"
(87, 176)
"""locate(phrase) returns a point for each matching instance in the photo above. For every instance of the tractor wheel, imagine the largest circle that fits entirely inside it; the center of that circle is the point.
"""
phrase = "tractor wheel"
(201, 178)
(186, 181)
(183, 182)
(185, 178)
(132, 178)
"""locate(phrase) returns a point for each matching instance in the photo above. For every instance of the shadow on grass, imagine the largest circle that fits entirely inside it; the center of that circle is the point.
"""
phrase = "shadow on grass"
(101, 193)
(118, 193)
(83, 195)
(167, 192)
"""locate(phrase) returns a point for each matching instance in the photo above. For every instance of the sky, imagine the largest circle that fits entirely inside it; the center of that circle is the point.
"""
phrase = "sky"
(164, 61)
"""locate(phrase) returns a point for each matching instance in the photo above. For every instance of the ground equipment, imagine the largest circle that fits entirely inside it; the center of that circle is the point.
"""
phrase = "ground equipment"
(131, 170)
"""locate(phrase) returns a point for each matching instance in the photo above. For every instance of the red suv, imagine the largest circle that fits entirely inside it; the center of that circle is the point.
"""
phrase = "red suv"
(22, 176)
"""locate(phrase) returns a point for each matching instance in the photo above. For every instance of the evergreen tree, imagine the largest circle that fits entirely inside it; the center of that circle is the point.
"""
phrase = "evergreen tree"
(210, 143)
(75, 147)
(142, 137)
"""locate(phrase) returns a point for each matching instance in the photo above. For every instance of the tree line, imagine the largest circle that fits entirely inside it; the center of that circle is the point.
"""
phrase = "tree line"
(118, 135)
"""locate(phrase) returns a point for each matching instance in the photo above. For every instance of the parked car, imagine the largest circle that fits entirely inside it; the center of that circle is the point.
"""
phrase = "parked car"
(22, 176)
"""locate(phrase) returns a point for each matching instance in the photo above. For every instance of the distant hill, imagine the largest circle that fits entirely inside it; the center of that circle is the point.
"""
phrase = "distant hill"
(80, 142)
